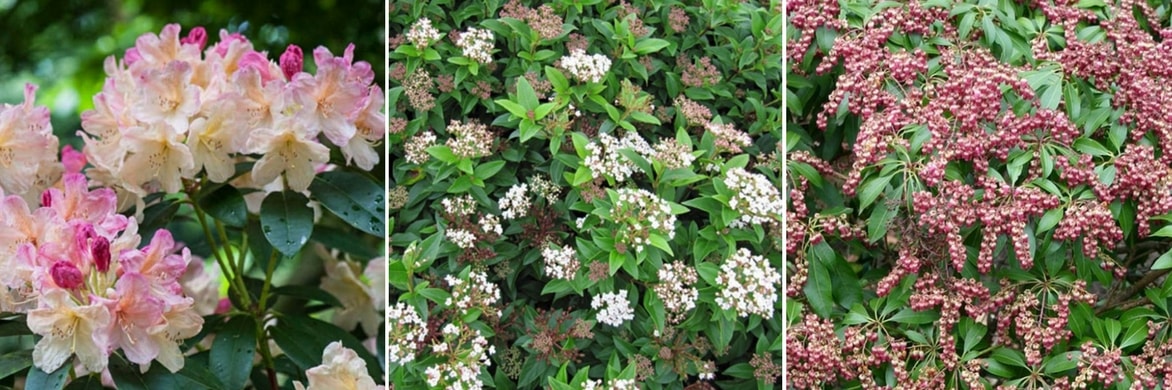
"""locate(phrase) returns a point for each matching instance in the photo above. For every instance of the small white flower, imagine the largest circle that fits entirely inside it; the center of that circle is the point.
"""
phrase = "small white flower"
(586, 67)
(462, 238)
(422, 34)
(477, 44)
(613, 308)
(747, 284)
(560, 263)
(515, 204)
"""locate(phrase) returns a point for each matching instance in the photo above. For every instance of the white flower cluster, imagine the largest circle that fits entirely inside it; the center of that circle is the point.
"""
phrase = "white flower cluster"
(754, 197)
(613, 308)
(477, 44)
(586, 67)
(458, 206)
(476, 292)
(545, 188)
(422, 34)
(417, 147)
(404, 330)
(603, 156)
(643, 213)
(617, 384)
(673, 154)
(560, 263)
(515, 204)
(469, 140)
(469, 355)
(748, 285)
(462, 238)
(489, 223)
(676, 289)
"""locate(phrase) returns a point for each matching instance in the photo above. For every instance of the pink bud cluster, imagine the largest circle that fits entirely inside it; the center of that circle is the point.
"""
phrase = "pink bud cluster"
(813, 353)
(73, 264)
(1092, 221)
(1146, 180)
(172, 108)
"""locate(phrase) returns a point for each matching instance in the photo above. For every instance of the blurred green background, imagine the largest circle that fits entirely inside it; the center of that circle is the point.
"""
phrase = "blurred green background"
(61, 44)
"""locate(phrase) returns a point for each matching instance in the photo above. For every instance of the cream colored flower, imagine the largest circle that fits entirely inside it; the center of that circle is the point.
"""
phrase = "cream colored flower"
(341, 369)
(69, 328)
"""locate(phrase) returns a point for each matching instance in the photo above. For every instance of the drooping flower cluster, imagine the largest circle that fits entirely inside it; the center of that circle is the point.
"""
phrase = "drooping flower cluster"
(76, 269)
(603, 157)
(560, 263)
(171, 109)
(1147, 180)
(748, 285)
(28, 148)
(1094, 222)
(405, 330)
(758, 200)
(677, 289)
(613, 308)
(341, 368)
(476, 43)
(642, 214)
(585, 67)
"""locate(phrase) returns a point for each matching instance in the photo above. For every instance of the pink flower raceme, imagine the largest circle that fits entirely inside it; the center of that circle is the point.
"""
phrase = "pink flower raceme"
(88, 290)
(171, 109)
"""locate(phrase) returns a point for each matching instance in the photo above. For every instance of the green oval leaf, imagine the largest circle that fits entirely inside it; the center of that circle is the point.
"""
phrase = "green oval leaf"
(286, 220)
(232, 351)
(226, 204)
(38, 379)
(355, 198)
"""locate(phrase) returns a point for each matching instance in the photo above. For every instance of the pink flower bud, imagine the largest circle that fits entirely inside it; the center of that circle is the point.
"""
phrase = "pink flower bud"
(46, 199)
(73, 160)
(292, 61)
(197, 36)
(100, 252)
(66, 275)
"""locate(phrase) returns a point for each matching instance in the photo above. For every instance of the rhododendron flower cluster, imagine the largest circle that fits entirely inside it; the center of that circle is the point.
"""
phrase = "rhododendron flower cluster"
(341, 368)
(28, 148)
(76, 269)
(171, 108)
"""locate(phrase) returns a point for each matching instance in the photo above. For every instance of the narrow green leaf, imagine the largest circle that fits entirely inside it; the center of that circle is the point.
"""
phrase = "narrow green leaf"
(14, 362)
(871, 190)
(650, 45)
(526, 96)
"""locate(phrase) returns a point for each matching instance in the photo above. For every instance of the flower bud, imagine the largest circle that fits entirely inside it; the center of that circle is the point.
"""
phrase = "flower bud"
(66, 275)
(292, 61)
(100, 251)
(197, 36)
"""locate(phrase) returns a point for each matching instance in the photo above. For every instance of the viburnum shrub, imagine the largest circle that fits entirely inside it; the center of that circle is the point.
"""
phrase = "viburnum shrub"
(585, 194)
(979, 194)
(261, 156)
